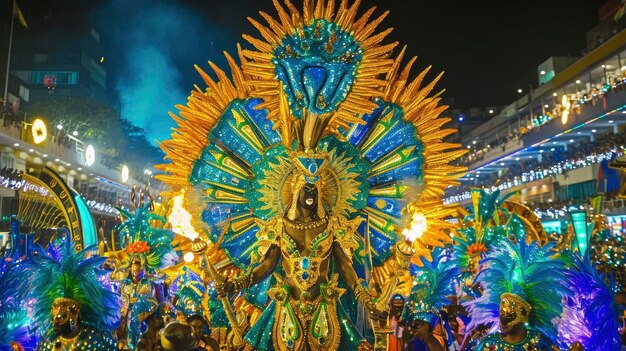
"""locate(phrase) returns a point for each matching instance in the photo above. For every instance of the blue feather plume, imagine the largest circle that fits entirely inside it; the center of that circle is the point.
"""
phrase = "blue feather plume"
(432, 285)
(13, 317)
(527, 270)
(77, 276)
(589, 316)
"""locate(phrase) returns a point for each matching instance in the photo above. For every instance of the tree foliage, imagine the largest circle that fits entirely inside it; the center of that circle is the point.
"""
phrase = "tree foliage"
(139, 151)
(97, 123)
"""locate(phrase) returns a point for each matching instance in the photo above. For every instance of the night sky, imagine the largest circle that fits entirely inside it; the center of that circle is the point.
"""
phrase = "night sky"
(488, 49)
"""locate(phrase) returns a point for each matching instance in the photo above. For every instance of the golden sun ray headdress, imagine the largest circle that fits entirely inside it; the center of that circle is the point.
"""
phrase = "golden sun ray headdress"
(370, 137)
(326, 60)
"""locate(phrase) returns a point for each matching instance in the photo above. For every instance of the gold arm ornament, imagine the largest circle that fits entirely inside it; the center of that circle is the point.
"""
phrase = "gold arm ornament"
(403, 253)
(199, 247)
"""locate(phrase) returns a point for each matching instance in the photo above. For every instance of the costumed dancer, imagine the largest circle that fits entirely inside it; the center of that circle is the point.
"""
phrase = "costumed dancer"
(433, 284)
(200, 331)
(480, 231)
(396, 323)
(74, 310)
(147, 248)
(493, 219)
(590, 316)
(302, 165)
(523, 285)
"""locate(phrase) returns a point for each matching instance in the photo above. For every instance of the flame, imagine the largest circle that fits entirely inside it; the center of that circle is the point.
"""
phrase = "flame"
(180, 218)
(417, 227)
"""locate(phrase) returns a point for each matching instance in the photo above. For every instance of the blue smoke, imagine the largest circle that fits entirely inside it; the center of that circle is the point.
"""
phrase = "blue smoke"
(152, 46)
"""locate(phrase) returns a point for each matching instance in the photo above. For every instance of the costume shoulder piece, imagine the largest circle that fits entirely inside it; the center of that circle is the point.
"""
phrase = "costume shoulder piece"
(321, 76)
(533, 341)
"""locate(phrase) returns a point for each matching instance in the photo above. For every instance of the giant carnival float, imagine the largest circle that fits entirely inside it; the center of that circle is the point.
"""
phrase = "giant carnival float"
(304, 213)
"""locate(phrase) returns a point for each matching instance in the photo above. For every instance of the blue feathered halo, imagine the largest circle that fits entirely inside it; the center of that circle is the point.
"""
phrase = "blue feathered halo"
(77, 276)
(432, 285)
(528, 270)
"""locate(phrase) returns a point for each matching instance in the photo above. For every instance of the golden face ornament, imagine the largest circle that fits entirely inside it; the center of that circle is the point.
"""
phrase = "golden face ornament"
(137, 268)
(513, 310)
(65, 311)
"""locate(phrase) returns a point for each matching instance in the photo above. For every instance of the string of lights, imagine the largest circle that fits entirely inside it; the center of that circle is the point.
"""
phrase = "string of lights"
(553, 170)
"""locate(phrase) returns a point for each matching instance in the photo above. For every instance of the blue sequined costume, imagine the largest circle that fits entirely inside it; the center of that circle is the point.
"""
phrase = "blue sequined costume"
(319, 101)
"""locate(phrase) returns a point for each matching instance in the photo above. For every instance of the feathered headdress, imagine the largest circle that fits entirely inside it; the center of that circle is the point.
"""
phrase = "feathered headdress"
(480, 231)
(589, 316)
(13, 314)
(432, 285)
(525, 270)
(141, 234)
(75, 276)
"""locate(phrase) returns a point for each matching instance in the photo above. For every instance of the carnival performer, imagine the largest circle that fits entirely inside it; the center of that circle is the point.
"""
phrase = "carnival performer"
(307, 239)
(200, 331)
(433, 284)
(527, 283)
(396, 323)
(302, 166)
(590, 316)
(178, 336)
(481, 231)
(74, 310)
(147, 248)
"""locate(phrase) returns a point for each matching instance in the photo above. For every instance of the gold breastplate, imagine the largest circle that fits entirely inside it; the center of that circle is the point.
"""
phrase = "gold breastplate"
(132, 291)
(305, 270)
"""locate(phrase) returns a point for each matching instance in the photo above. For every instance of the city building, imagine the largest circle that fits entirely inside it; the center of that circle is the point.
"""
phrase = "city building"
(553, 145)
(59, 55)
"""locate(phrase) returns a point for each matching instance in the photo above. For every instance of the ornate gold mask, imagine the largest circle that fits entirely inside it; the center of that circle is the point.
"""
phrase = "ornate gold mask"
(65, 311)
(513, 310)
(137, 268)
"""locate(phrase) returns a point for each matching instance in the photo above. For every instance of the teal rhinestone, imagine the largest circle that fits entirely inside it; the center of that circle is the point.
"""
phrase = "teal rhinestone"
(305, 263)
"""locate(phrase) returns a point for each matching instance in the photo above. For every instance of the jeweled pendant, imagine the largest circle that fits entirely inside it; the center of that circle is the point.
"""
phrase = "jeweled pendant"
(305, 263)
